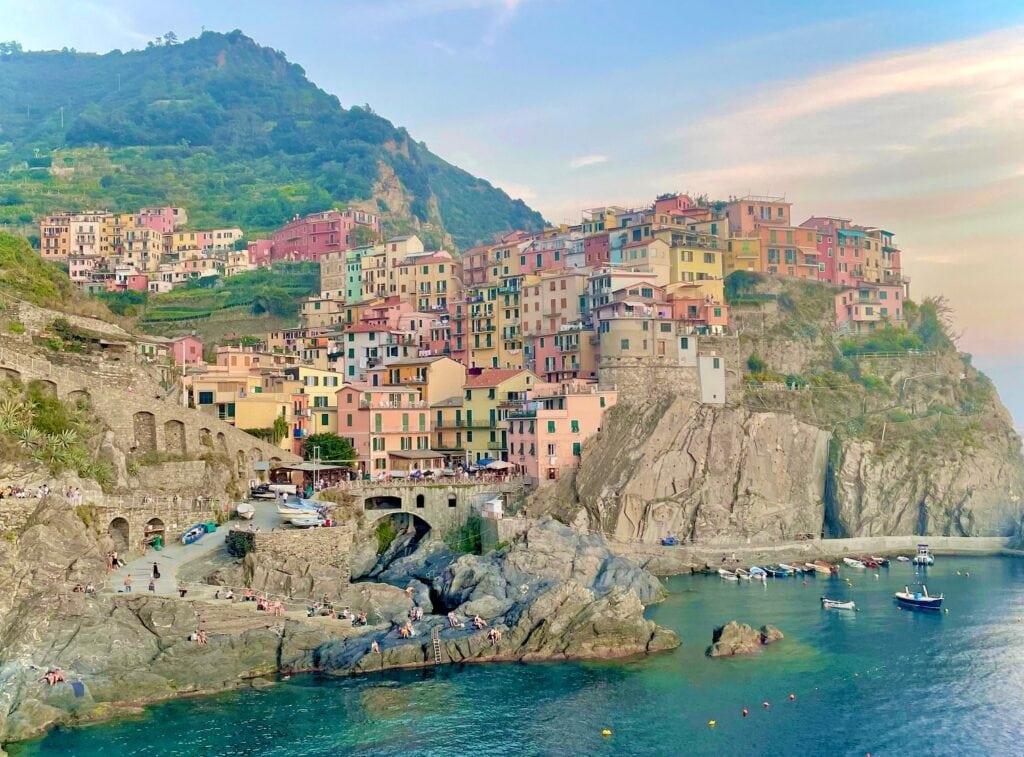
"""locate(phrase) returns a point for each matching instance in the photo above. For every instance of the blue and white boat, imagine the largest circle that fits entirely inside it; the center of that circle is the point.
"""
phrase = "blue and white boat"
(193, 533)
(919, 600)
(923, 556)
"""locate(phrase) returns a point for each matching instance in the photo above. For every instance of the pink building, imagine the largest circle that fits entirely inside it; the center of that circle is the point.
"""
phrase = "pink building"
(864, 308)
(81, 267)
(135, 282)
(162, 220)
(546, 436)
(564, 355)
(315, 235)
(747, 214)
(389, 428)
(260, 252)
(187, 350)
(597, 250)
(700, 313)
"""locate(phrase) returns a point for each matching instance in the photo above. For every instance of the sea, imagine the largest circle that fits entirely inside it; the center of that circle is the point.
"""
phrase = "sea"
(879, 681)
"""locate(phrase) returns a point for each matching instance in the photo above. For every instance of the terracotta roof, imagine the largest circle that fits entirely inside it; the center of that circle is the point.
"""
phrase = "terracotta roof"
(363, 328)
(493, 377)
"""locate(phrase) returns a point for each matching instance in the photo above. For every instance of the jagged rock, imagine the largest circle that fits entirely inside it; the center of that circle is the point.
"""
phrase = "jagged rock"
(740, 639)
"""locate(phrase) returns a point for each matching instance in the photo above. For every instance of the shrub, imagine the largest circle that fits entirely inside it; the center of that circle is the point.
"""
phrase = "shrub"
(15, 327)
(385, 533)
(756, 364)
(465, 539)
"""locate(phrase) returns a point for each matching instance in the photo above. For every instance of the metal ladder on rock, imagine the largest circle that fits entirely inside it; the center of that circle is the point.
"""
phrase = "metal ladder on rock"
(435, 637)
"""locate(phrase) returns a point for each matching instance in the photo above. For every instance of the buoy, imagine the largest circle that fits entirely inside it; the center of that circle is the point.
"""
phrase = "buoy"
(1018, 618)
(876, 576)
(745, 713)
(968, 574)
(792, 697)
(958, 572)
(947, 610)
(606, 732)
(766, 705)
(712, 724)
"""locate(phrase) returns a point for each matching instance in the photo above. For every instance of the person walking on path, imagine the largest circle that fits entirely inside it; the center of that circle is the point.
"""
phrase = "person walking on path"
(156, 571)
(128, 584)
(152, 585)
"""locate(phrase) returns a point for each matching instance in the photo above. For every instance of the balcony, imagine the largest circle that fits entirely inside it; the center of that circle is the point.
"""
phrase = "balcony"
(523, 412)
(495, 446)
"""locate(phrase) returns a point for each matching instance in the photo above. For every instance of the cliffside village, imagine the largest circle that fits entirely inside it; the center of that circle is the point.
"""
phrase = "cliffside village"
(509, 352)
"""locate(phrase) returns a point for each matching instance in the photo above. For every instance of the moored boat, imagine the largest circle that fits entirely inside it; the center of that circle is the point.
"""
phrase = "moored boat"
(854, 563)
(193, 533)
(923, 556)
(791, 569)
(902, 558)
(776, 571)
(883, 562)
(918, 599)
(869, 562)
(245, 511)
(825, 568)
(741, 573)
(836, 604)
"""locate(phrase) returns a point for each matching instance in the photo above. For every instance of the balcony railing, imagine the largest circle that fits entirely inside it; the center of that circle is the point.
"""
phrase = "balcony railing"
(495, 446)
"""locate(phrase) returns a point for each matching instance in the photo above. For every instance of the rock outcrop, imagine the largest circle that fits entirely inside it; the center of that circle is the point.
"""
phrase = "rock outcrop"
(736, 638)
(553, 594)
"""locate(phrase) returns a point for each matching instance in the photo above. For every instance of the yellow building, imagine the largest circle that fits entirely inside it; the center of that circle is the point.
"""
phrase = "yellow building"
(449, 427)
(321, 388)
(428, 281)
(743, 254)
(488, 397)
(434, 377)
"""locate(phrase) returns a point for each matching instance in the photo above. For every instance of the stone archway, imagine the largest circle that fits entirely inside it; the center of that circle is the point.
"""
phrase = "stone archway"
(242, 462)
(222, 443)
(79, 398)
(383, 502)
(174, 437)
(205, 438)
(255, 455)
(9, 374)
(155, 527)
(120, 532)
(45, 384)
(144, 425)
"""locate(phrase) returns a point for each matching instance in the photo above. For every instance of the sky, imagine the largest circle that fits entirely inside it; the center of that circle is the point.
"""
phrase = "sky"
(908, 115)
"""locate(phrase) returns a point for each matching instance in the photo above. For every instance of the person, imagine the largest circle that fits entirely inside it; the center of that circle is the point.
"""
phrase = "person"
(479, 622)
(90, 589)
(152, 586)
(156, 571)
(182, 591)
(404, 631)
(375, 647)
(128, 584)
(229, 595)
(79, 589)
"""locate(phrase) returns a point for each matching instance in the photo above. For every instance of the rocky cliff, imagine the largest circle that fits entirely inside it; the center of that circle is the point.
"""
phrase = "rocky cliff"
(890, 433)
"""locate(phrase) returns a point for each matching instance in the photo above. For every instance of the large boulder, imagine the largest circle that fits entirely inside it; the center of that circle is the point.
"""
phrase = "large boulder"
(740, 639)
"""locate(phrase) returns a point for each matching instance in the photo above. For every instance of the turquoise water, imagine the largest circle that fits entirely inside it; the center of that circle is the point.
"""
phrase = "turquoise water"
(882, 680)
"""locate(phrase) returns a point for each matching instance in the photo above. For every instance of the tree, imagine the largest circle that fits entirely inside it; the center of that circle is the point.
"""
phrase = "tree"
(170, 38)
(329, 447)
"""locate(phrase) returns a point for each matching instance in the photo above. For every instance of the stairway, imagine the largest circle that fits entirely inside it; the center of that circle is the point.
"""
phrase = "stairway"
(435, 637)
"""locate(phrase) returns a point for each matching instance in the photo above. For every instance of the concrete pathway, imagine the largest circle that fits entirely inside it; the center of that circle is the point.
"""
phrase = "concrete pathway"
(175, 555)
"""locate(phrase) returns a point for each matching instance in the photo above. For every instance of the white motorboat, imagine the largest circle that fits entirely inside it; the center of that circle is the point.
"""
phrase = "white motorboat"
(307, 522)
(741, 573)
(728, 575)
(923, 556)
(245, 511)
(902, 558)
(854, 563)
(793, 570)
(835, 604)
(296, 509)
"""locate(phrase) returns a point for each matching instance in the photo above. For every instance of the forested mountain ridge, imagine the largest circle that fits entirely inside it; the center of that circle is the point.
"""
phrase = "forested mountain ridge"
(227, 128)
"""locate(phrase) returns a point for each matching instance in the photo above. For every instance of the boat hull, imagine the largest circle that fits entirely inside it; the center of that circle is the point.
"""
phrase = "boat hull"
(925, 603)
(835, 604)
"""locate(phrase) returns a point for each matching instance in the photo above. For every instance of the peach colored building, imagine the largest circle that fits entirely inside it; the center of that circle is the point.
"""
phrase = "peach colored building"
(388, 426)
(747, 214)
(565, 354)
(546, 435)
(866, 307)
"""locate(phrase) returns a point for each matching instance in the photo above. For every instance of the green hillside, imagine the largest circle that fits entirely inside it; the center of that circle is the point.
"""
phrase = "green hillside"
(227, 128)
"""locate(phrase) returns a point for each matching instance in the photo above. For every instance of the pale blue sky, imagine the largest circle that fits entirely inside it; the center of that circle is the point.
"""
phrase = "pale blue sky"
(907, 115)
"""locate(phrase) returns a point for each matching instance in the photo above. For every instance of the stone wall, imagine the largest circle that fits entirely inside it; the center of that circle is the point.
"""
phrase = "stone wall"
(321, 546)
(502, 531)
(14, 513)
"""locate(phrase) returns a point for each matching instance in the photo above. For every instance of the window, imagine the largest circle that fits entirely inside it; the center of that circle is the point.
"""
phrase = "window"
(716, 363)
(684, 343)
(574, 426)
(665, 327)
(576, 449)
(551, 427)
(718, 312)
(423, 421)
(451, 500)
(348, 419)
(205, 398)
(773, 255)
(709, 257)
(646, 292)
(421, 501)
(624, 344)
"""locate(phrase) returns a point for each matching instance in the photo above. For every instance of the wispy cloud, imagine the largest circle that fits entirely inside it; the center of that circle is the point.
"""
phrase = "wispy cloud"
(587, 160)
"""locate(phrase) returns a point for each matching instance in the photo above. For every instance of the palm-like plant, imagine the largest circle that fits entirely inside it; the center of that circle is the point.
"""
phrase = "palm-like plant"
(14, 415)
(30, 438)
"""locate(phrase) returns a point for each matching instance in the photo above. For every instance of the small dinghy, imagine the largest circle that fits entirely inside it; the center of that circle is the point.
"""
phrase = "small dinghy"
(791, 569)
(854, 563)
(741, 573)
(728, 575)
(835, 604)
(902, 558)
(193, 533)
(883, 562)
(919, 600)
(776, 571)
(870, 562)
(245, 511)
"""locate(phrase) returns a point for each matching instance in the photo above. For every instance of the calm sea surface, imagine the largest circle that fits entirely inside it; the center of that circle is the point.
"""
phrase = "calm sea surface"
(882, 680)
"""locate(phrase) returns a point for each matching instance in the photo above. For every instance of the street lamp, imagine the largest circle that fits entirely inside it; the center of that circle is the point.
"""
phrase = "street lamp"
(316, 468)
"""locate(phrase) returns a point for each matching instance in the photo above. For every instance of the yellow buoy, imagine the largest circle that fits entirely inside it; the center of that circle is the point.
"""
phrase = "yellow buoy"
(712, 724)
(947, 609)
(606, 732)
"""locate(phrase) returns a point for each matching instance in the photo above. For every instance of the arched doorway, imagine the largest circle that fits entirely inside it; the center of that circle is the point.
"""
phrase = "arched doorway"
(383, 502)
(388, 538)
(155, 529)
(119, 531)
(174, 437)
(145, 432)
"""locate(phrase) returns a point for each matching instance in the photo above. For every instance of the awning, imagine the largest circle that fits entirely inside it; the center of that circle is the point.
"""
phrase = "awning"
(417, 454)
(309, 467)
(498, 465)
(483, 462)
